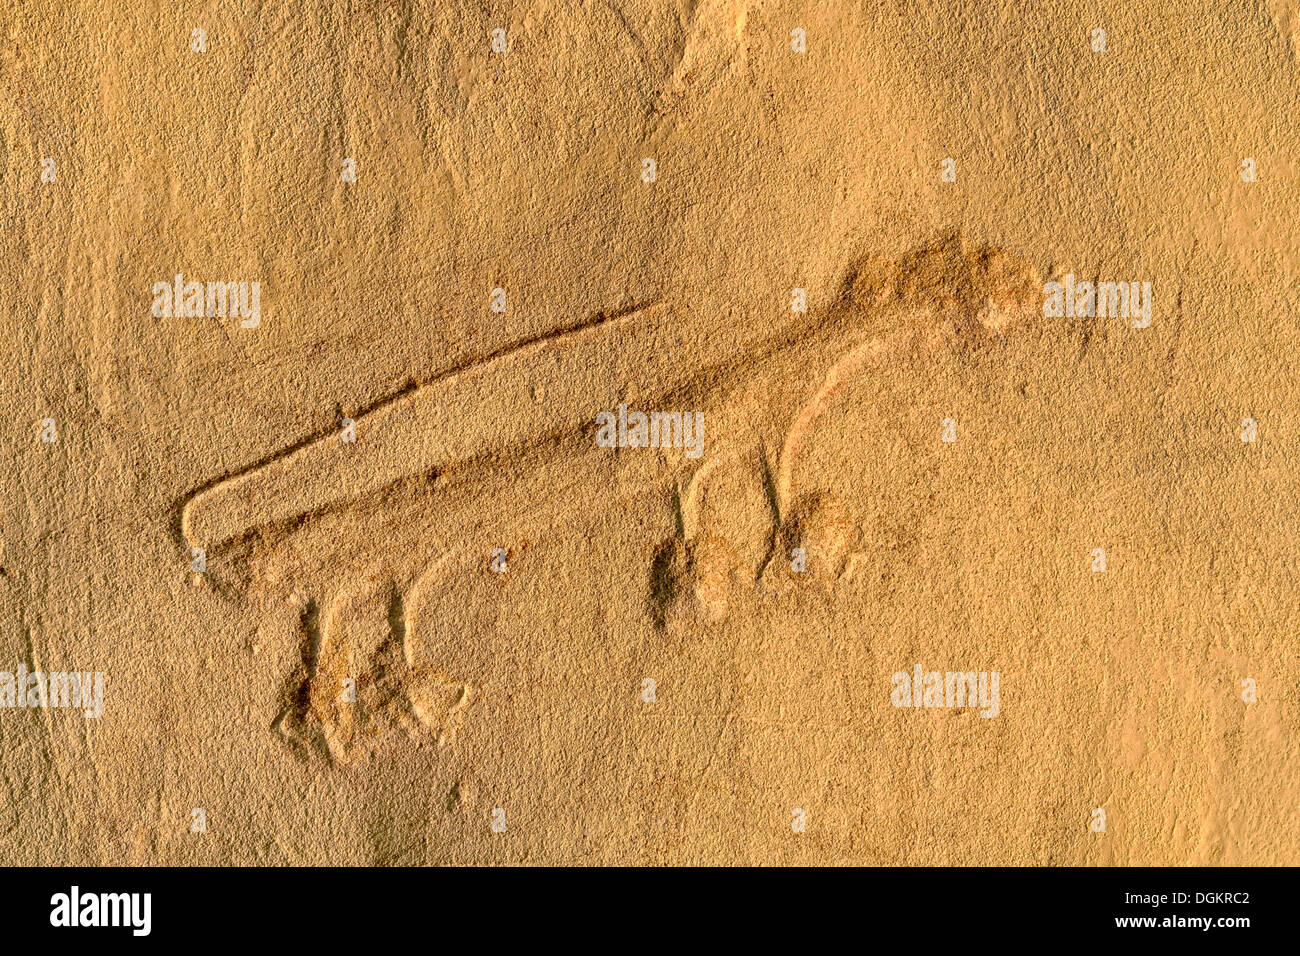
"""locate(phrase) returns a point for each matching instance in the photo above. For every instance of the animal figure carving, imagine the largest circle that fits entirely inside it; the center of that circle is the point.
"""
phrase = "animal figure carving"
(381, 627)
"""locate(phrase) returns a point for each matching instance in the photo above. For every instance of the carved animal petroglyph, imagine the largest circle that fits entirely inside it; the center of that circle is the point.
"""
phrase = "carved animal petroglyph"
(378, 620)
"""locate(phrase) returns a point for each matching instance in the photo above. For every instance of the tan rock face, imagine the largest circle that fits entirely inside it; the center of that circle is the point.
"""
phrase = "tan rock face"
(363, 558)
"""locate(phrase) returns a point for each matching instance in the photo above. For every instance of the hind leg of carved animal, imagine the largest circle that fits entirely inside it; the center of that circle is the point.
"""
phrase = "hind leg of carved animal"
(353, 628)
(450, 621)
